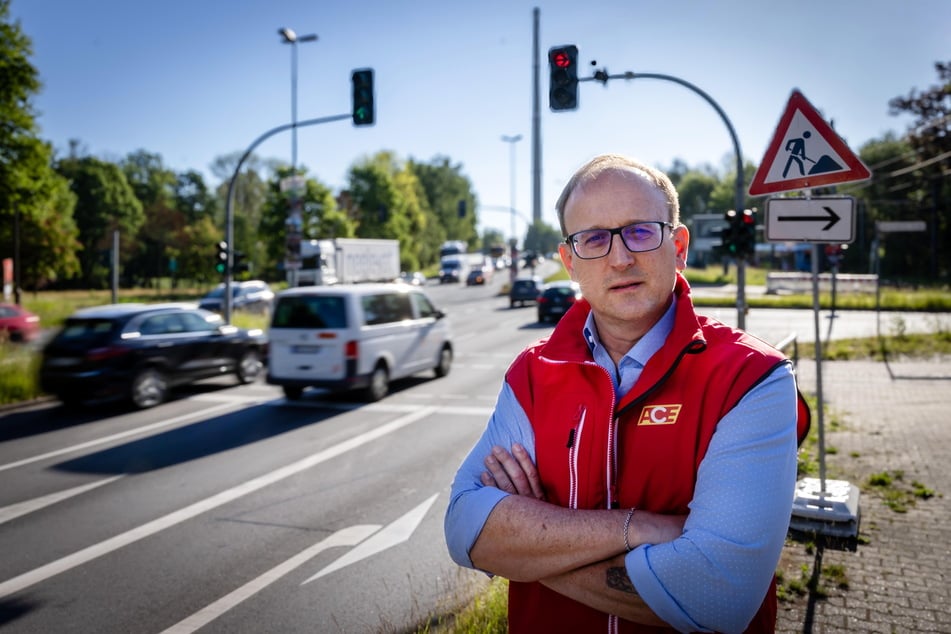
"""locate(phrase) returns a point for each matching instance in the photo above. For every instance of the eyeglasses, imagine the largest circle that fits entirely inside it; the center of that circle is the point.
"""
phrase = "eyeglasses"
(591, 244)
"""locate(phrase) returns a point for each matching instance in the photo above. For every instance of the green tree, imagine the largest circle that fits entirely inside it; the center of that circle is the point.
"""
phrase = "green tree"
(542, 238)
(695, 191)
(160, 238)
(445, 186)
(194, 199)
(264, 249)
(197, 261)
(387, 201)
(105, 202)
(36, 209)
(492, 237)
(723, 197)
(320, 218)
(882, 198)
(930, 139)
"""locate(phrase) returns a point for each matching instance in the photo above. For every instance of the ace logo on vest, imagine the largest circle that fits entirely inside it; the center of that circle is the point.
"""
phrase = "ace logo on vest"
(659, 415)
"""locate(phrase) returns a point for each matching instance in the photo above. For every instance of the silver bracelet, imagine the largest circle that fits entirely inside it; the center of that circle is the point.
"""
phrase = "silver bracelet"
(627, 525)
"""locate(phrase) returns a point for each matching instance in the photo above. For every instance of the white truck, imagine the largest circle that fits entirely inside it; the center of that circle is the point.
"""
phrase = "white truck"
(347, 261)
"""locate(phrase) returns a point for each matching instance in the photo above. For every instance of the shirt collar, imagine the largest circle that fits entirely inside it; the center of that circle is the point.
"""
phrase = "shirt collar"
(644, 349)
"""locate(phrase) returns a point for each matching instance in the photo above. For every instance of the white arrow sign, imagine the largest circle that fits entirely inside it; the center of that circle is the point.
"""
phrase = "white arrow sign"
(825, 219)
(396, 533)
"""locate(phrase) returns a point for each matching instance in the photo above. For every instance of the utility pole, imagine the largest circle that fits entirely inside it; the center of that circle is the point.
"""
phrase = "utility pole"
(536, 122)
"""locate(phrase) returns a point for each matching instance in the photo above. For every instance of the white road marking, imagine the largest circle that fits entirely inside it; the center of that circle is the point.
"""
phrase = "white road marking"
(393, 407)
(19, 509)
(396, 533)
(350, 536)
(106, 439)
(148, 529)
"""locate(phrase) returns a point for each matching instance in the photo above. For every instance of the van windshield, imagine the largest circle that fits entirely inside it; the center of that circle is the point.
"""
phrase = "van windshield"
(325, 311)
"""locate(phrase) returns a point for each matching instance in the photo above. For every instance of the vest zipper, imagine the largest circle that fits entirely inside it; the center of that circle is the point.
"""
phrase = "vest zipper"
(574, 439)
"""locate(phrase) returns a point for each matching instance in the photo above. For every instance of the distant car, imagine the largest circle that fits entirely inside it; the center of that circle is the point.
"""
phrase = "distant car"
(525, 289)
(451, 272)
(556, 298)
(479, 276)
(138, 352)
(415, 279)
(254, 296)
(18, 324)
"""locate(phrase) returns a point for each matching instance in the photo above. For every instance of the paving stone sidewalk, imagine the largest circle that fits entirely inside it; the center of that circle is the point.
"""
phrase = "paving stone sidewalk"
(893, 418)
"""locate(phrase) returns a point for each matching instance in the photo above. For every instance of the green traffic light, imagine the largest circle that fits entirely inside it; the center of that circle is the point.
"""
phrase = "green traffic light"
(362, 92)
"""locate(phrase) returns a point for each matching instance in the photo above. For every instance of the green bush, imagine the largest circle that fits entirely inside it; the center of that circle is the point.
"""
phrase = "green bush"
(19, 365)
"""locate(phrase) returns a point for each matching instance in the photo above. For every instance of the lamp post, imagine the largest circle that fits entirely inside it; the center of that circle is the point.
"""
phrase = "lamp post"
(512, 140)
(290, 37)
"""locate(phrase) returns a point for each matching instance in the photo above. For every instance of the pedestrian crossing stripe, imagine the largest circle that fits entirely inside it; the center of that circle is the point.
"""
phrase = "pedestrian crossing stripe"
(805, 152)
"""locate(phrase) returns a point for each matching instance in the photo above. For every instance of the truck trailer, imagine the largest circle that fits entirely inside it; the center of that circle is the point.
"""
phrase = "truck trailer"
(347, 261)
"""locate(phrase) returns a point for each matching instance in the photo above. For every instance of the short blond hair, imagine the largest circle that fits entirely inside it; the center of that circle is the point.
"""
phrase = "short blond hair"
(593, 169)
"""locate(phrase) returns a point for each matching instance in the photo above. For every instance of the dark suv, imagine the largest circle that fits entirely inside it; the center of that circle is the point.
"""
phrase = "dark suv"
(138, 352)
(525, 289)
(556, 298)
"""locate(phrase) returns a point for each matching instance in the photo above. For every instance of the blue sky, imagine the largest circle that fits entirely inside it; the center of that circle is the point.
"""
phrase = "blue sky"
(195, 79)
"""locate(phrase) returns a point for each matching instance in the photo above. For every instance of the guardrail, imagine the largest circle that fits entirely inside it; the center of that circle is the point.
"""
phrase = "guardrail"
(790, 341)
(795, 282)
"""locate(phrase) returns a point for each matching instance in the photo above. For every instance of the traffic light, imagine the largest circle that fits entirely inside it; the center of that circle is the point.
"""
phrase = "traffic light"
(563, 84)
(746, 233)
(461, 209)
(728, 234)
(221, 260)
(362, 82)
(241, 262)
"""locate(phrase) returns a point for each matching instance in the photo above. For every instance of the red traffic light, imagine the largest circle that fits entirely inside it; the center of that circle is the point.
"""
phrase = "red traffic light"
(561, 59)
(748, 217)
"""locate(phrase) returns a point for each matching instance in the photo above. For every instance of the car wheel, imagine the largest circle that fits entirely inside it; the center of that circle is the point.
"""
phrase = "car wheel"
(149, 388)
(292, 392)
(379, 383)
(445, 361)
(249, 367)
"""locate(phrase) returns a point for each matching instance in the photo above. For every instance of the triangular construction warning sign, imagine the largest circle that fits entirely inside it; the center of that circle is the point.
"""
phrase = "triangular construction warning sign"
(805, 152)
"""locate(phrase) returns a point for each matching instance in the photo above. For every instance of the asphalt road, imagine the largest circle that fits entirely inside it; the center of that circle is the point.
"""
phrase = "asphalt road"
(231, 510)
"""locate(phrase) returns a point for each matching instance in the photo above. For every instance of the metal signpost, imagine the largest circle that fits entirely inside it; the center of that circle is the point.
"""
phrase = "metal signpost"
(805, 152)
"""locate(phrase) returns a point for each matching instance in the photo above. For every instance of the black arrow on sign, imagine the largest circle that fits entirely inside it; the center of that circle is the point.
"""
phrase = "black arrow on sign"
(832, 217)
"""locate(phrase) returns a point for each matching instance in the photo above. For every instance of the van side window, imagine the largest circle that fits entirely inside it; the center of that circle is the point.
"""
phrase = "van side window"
(386, 308)
(423, 307)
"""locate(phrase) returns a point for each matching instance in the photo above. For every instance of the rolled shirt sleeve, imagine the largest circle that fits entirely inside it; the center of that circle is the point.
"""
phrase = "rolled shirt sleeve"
(715, 576)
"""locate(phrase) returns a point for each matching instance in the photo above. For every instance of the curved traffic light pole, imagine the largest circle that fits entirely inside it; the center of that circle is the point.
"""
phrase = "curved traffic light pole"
(229, 203)
(602, 76)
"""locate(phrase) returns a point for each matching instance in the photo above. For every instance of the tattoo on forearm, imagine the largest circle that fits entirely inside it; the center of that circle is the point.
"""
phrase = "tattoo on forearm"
(618, 580)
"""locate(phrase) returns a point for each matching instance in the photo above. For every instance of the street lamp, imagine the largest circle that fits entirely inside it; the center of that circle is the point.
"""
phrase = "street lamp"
(512, 140)
(290, 37)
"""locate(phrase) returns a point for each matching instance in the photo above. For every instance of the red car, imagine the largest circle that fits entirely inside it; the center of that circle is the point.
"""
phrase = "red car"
(17, 323)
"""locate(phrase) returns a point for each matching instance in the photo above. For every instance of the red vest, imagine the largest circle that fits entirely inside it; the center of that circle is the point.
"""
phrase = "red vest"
(661, 430)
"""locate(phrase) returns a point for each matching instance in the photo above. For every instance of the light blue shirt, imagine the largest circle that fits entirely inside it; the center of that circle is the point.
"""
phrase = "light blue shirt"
(712, 577)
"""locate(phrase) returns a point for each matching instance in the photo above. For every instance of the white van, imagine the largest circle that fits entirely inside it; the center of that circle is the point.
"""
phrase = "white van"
(359, 336)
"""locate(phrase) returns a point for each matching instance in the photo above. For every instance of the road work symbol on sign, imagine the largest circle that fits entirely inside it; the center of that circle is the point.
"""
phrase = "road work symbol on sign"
(796, 148)
(805, 152)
